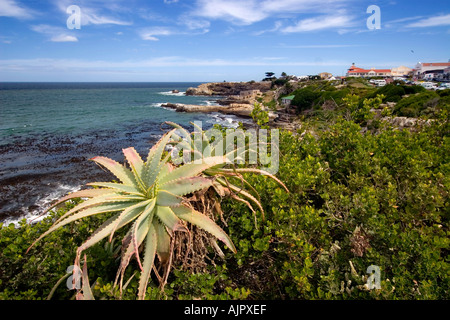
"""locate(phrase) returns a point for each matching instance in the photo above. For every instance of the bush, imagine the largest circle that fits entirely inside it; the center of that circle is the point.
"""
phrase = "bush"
(425, 103)
(356, 200)
(304, 99)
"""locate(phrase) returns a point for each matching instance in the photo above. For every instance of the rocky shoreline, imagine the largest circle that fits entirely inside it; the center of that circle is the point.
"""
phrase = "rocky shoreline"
(241, 110)
(228, 88)
(236, 98)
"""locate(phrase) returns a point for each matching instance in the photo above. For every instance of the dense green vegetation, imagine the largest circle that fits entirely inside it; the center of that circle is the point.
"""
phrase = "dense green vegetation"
(410, 100)
(357, 198)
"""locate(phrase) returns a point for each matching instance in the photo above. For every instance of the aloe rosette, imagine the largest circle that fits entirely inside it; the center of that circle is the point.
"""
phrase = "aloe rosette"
(150, 197)
(228, 181)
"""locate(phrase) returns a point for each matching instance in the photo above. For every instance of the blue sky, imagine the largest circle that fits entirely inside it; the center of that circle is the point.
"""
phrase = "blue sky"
(214, 40)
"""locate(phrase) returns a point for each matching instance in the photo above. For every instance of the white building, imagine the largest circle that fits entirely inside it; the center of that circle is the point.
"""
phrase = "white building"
(430, 70)
(401, 71)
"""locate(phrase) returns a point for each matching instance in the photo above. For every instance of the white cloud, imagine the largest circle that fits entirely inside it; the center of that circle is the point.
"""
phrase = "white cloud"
(152, 33)
(89, 16)
(320, 46)
(74, 65)
(320, 23)
(251, 11)
(56, 34)
(239, 12)
(193, 28)
(194, 23)
(170, 1)
(10, 8)
(437, 21)
(64, 38)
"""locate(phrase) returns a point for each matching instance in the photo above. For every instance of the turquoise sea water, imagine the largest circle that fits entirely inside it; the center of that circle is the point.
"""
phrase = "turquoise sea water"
(73, 108)
(49, 131)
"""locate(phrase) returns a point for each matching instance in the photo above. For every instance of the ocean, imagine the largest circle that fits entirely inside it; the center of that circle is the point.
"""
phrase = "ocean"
(49, 131)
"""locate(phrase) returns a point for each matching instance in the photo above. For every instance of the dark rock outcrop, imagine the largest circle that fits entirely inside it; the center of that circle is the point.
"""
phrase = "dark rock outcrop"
(227, 88)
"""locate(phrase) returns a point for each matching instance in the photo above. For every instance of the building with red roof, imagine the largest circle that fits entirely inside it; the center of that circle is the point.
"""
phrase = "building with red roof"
(431, 70)
(355, 71)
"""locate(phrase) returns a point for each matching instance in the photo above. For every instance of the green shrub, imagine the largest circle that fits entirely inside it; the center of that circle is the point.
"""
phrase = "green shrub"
(304, 99)
(356, 200)
(420, 104)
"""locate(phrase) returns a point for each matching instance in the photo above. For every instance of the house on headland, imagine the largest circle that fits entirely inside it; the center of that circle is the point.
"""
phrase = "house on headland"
(355, 71)
(325, 75)
(286, 101)
(249, 94)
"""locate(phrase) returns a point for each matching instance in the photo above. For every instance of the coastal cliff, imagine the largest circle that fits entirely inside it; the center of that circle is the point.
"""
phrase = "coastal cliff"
(243, 110)
(227, 88)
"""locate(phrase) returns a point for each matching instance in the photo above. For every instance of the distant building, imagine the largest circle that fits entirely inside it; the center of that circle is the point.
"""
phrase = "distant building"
(325, 75)
(354, 71)
(286, 101)
(401, 71)
(431, 70)
(249, 94)
(446, 75)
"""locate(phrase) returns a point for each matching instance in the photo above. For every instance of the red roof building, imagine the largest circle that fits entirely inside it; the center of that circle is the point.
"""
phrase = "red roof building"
(431, 70)
(354, 71)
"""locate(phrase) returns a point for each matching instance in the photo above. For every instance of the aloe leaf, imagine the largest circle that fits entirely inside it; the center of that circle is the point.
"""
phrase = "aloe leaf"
(182, 130)
(165, 198)
(130, 213)
(124, 197)
(149, 258)
(135, 231)
(136, 164)
(86, 288)
(169, 219)
(134, 159)
(202, 221)
(192, 169)
(82, 214)
(122, 173)
(128, 246)
(183, 186)
(153, 163)
(99, 234)
(165, 170)
(88, 193)
(243, 193)
(117, 186)
(93, 202)
(163, 242)
(259, 171)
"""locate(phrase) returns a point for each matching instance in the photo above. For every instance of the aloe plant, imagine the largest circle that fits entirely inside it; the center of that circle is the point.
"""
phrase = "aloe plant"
(228, 181)
(151, 199)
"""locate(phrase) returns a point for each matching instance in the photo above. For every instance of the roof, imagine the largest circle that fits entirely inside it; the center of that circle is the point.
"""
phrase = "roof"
(354, 69)
(288, 97)
(436, 64)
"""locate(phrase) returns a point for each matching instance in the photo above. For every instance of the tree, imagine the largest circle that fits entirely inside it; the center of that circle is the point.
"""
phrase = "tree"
(269, 76)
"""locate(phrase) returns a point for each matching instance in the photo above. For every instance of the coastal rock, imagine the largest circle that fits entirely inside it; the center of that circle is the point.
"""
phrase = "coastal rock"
(227, 88)
(243, 110)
